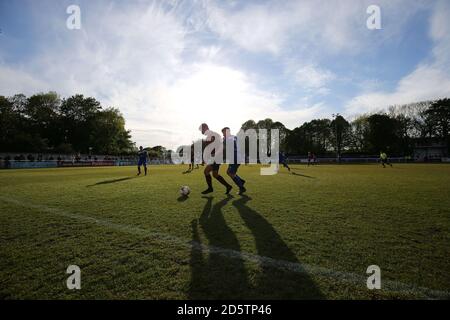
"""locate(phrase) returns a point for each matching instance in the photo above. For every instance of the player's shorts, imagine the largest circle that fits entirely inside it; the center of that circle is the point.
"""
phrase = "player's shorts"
(233, 168)
(383, 160)
(215, 166)
(142, 162)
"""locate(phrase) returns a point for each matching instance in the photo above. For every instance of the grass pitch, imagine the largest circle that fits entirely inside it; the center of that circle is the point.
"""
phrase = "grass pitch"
(306, 235)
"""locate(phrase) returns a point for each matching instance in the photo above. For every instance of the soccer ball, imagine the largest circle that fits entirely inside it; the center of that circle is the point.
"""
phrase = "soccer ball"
(184, 191)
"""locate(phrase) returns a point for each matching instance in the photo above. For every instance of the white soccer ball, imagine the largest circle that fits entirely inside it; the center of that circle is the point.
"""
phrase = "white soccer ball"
(184, 190)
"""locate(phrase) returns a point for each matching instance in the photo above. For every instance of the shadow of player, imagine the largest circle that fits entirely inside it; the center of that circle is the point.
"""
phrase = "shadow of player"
(215, 275)
(110, 181)
(222, 275)
(275, 283)
(302, 175)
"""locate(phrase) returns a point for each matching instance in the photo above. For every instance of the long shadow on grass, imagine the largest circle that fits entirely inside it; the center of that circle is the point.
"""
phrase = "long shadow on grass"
(215, 276)
(293, 171)
(275, 283)
(302, 175)
(110, 181)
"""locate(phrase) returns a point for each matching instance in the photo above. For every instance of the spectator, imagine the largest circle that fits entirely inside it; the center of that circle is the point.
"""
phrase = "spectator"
(7, 162)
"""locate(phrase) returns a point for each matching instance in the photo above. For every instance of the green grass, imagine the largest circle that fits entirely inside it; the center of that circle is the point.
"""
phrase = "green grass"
(134, 237)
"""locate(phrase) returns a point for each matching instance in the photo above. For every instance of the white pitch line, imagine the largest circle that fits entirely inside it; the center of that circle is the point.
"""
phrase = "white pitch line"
(349, 277)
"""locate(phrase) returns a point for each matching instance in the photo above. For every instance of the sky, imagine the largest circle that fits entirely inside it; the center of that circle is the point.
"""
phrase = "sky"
(171, 65)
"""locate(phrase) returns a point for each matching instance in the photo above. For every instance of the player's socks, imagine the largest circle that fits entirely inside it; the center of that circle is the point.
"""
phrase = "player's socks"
(208, 181)
(145, 170)
(226, 184)
(238, 181)
(223, 181)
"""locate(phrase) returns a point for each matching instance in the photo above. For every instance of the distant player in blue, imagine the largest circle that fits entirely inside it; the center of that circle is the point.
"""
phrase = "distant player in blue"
(143, 157)
(282, 160)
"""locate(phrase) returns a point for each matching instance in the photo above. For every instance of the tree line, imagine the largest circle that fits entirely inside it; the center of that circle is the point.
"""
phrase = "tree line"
(395, 131)
(45, 123)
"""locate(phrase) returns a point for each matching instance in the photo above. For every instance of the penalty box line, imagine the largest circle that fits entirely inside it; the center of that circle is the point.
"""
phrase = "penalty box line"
(349, 277)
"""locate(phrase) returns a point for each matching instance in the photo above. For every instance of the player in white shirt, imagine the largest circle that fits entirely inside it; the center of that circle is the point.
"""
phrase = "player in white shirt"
(211, 165)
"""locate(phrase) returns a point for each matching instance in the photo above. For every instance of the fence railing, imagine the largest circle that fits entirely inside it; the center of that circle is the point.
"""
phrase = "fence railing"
(26, 164)
(349, 160)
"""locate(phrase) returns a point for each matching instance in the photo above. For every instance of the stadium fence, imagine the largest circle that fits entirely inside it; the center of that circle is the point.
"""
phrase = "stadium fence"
(108, 161)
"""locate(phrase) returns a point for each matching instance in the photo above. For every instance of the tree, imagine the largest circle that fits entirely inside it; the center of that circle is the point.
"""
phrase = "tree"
(438, 119)
(108, 135)
(382, 134)
(341, 137)
(8, 123)
(41, 119)
(79, 117)
(359, 132)
(249, 124)
(44, 123)
(157, 152)
(314, 136)
(269, 124)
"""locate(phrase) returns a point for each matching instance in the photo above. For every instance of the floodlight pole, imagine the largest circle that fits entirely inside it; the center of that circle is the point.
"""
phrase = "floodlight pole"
(338, 156)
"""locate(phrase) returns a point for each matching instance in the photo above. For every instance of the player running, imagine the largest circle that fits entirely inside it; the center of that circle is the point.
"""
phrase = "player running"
(384, 159)
(282, 160)
(234, 162)
(211, 165)
(143, 157)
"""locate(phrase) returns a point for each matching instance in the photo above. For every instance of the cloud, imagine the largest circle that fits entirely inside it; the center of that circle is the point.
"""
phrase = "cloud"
(119, 56)
(218, 95)
(312, 77)
(15, 81)
(310, 26)
(131, 57)
(170, 65)
(254, 28)
(428, 81)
